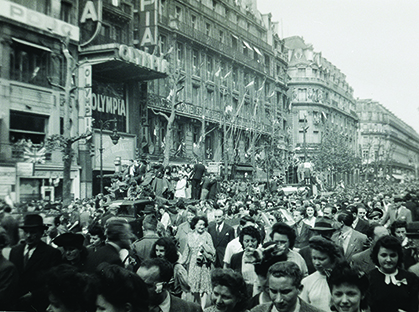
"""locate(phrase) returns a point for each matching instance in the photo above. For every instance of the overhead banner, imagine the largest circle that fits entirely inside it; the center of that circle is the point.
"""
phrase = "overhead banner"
(148, 23)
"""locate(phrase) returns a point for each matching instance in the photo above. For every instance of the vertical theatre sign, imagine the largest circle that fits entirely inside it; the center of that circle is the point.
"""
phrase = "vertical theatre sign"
(148, 23)
(85, 96)
(90, 20)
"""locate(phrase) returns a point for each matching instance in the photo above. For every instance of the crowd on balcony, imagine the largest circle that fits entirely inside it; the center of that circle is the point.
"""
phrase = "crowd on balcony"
(213, 245)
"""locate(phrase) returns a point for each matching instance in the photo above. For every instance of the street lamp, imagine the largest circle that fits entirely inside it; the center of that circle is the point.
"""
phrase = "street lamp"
(114, 137)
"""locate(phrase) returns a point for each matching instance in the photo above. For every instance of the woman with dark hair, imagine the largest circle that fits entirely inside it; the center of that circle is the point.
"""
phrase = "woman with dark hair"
(120, 290)
(325, 255)
(199, 255)
(165, 248)
(348, 288)
(243, 262)
(392, 288)
(70, 290)
(229, 292)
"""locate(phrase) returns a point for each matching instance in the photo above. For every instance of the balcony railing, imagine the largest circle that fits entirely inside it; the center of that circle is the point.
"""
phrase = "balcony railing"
(212, 115)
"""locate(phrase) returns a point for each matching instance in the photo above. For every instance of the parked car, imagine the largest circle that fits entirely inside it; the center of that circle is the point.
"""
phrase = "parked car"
(133, 211)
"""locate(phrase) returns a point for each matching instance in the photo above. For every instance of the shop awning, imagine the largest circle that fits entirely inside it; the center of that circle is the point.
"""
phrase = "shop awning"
(31, 44)
(119, 71)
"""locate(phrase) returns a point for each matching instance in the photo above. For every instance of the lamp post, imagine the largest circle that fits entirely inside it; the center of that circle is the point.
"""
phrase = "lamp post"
(114, 137)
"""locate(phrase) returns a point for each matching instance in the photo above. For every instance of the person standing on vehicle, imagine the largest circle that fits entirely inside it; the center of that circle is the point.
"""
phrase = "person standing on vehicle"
(197, 174)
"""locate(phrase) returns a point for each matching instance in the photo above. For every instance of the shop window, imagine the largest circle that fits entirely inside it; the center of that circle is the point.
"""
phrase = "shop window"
(29, 63)
(26, 126)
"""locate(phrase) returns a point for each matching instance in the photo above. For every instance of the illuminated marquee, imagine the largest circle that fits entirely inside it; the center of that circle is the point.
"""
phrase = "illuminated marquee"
(142, 58)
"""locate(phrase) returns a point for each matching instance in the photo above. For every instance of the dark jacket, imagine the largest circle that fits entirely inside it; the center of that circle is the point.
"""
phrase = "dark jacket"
(106, 253)
(179, 305)
(302, 239)
(32, 276)
(220, 241)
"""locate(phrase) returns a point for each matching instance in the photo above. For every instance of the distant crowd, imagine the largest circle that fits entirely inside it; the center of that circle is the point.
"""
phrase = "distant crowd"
(204, 244)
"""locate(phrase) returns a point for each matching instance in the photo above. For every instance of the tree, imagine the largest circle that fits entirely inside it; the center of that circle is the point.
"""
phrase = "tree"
(64, 142)
(175, 81)
(335, 152)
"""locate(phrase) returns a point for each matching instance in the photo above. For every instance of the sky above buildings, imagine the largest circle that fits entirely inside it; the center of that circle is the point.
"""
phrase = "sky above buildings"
(375, 43)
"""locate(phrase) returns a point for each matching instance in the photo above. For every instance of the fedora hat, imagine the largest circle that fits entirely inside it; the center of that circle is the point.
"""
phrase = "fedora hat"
(322, 224)
(32, 221)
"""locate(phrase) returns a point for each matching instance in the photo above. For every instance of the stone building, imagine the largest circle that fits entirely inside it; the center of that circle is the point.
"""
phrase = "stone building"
(390, 147)
(319, 99)
(31, 35)
(231, 107)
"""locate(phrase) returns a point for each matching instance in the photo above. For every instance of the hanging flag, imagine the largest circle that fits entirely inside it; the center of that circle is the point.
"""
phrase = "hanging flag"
(262, 86)
(250, 84)
(228, 74)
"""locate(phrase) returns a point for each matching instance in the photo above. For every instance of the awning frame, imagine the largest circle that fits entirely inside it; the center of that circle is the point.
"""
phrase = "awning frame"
(31, 44)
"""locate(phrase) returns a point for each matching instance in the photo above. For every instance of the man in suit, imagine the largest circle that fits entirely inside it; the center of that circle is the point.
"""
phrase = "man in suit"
(345, 236)
(197, 174)
(302, 230)
(284, 284)
(156, 273)
(397, 211)
(360, 224)
(33, 259)
(117, 247)
(221, 234)
(363, 259)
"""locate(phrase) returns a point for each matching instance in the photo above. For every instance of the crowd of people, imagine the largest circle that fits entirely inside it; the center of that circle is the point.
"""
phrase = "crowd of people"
(228, 246)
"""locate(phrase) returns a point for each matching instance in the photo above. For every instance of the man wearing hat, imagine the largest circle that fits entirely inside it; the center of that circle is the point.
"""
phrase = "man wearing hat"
(322, 227)
(397, 211)
(32, 260)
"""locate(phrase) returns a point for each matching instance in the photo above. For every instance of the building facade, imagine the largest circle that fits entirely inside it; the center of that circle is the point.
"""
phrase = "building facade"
(109, 80)
(390, 147)
(231, 98)
(320, 101)
(32, 62)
